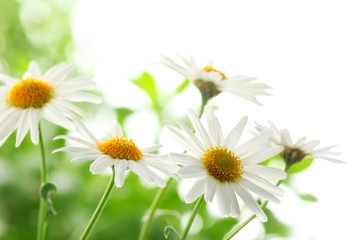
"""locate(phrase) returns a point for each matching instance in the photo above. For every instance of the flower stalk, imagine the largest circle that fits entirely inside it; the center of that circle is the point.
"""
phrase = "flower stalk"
(100, 207)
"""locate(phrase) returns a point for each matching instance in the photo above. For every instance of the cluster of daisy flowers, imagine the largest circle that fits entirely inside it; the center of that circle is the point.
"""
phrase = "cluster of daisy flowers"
(223, 166)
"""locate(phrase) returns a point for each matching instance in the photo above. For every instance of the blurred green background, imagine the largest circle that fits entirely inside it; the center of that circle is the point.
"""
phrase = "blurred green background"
(42, 30)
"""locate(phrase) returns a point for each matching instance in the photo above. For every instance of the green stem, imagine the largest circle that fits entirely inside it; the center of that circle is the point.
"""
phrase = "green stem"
(99, 208)
(204, 101)
(154, 205)
(41, 228)
(238, 228)
(196, 209)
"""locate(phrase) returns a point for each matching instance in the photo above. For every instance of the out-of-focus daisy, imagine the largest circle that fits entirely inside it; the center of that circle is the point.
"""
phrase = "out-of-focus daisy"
(296, 151)
(121, 153)
(224, 169)
(211, 81)
(23, 102)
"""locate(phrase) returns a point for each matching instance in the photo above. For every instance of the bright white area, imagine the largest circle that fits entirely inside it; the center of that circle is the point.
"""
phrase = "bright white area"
(308, 51)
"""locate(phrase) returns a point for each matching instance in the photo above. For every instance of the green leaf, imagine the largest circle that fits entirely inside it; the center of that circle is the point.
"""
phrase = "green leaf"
(45, 192)
(147, 83)
(300, 166)
(122, 114)
(274, 226)
(171, 231)
(308, 197)
(182, 86)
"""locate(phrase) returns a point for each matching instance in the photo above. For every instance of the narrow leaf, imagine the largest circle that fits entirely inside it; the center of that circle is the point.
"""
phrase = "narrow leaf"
(170, 231)
(182, 86)
(45, 192)
(308, 197)
(300, 166)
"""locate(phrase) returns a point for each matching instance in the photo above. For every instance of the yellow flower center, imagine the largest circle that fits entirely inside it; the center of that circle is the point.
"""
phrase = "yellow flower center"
(30, 93)
(120, 148)
(209, 68)
(222, 164)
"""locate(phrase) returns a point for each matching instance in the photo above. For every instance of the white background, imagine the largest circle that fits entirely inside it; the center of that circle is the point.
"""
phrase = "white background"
(308, 51)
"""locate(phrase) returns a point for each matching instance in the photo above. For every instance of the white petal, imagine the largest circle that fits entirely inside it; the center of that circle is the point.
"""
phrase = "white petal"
(10, 123)
(81, 97)
(34, 119)
(120, 167)
(165, 167)
(214, 127)
(234, 136)
(300, 142)
(22, 128)
(118, 131)
(199, 128)
(145, 173)
(195, 191)
(211, 186)
(86, 157)
(285, 138)
(78, 150)
(334, 160)
(233, 202)
(58, 73)
(191, 135)
(243, 148)
(54, 115)
(258, 190)
(261, 182)
(261, 155)
(265, 171)
(194, 171)
(33, 71)
(100, 164)
(75, 139)
(185, 159)
(174, 66)
(221, 197)
(250, 202)
(181, 139)
(308, 147)
(151, 148)
(69, 106)
(84, 130)
(8, 80)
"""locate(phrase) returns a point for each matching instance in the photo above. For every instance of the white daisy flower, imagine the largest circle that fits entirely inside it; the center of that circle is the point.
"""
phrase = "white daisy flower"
(210, 81)
(224, 169)
(297, 151)
(121, 153)
(23, 102)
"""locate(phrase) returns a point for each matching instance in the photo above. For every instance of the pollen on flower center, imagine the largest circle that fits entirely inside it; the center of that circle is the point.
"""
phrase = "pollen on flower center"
(30, 93)
(209, 68)
(222, 164)
(120, 148)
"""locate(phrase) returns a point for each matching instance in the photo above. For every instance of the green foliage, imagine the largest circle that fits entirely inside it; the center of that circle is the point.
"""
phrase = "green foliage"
(45, 192)
(300, 166)
(171, 233)
(122, 114)
(274, 227)
(308, 197)
(182, 86)
(147, 83)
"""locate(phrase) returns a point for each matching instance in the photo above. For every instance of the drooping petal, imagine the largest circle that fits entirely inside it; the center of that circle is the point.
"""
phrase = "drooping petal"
(120, 167)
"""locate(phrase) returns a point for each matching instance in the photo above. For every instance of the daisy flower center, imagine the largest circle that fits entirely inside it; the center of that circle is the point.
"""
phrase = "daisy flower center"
(293, 155)
(120, 148)
(209, 68)
(30, 93)
(222, 164)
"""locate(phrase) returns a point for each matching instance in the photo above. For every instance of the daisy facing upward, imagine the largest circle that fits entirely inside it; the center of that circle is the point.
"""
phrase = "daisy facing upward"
(120, 153)
(23, 102)
(222, 168)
